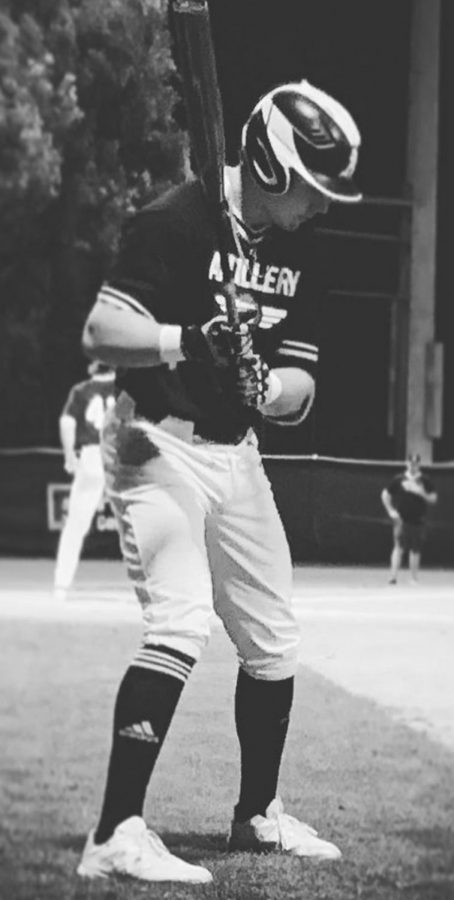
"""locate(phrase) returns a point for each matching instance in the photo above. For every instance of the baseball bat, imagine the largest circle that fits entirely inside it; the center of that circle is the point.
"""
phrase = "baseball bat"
(197, 66)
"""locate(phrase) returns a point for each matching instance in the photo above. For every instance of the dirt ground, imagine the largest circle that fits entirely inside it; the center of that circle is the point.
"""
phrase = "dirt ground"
(391, 644)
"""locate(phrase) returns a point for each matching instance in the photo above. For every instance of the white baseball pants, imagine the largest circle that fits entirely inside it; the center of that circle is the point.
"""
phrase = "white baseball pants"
(86, 492)
(199, 529)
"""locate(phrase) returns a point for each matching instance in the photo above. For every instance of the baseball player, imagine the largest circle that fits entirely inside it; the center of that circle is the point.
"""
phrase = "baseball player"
(406, 500)
(198, 523)
(80, 426)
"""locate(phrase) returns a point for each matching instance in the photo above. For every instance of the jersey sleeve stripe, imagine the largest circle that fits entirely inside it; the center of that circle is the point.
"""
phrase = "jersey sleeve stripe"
(297, 354)
(121, 300)
(312, 347)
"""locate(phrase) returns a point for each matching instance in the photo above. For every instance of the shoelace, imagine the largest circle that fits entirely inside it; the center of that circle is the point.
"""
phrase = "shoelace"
(289, 828)
(146, 840)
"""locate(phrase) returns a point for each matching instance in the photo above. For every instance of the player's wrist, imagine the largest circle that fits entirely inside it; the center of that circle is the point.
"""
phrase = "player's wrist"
(170, 345)
(215, 343)
(194, 346)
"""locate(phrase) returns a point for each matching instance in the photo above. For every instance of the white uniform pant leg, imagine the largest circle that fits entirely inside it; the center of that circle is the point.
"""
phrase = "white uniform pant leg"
(85, 495)
(252, 573)
(161, 523)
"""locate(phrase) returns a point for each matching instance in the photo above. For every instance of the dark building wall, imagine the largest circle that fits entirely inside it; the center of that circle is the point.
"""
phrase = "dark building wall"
(444, 447)
(330, 508)
(359, 51)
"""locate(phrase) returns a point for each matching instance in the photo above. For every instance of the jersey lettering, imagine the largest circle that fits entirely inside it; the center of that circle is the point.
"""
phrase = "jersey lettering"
(96, 410)
(253, 275)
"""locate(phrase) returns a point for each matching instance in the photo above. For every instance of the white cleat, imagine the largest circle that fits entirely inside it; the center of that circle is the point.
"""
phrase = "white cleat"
(279, 831)
(135, 851)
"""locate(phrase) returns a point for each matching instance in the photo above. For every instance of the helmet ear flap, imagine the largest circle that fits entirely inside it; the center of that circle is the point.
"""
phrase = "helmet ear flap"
(263, 163)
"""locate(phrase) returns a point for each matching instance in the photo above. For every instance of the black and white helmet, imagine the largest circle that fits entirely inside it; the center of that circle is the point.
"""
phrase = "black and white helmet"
(298, 127)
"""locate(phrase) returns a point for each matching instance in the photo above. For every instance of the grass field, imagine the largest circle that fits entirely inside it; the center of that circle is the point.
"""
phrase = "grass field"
(381, 791)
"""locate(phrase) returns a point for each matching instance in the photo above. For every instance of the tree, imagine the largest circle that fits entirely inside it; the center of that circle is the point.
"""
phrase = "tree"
(87, 131)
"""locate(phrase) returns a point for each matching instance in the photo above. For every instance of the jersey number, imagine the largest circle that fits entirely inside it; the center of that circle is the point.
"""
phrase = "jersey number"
(96, 410)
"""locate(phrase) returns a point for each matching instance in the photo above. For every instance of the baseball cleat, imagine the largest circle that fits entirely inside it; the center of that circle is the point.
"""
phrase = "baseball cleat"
(278, 831)
(135, 851)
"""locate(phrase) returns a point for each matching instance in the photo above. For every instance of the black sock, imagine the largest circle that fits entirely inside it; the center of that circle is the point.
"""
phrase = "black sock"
(145, 704)
(262, 711)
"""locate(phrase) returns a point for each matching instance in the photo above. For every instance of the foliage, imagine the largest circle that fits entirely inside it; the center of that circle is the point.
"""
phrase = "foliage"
(35, 114)
(86, 132)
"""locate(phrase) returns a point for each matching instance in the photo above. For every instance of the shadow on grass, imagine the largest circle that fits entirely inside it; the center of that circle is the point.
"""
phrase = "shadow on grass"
(189, 844)
(382, 791)
(73, 842)
(430, 838)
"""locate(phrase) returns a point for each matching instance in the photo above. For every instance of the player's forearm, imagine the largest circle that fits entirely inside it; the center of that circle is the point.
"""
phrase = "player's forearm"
(387, 503)
(297, 391)
(124, 338)
(67, 428)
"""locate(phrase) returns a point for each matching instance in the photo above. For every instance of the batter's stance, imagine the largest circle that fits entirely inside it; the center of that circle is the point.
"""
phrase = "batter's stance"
(80, 426)
(198, 523)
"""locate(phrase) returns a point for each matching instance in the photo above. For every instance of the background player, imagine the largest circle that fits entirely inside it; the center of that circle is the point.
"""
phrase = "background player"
(197, 518)
(80, 426)
(406, 500)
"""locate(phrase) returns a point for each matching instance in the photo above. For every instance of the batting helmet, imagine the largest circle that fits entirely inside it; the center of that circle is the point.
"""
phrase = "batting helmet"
(298, 127)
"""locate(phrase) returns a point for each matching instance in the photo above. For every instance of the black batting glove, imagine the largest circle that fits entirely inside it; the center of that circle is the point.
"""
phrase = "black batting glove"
(251, 380)
(216, 342)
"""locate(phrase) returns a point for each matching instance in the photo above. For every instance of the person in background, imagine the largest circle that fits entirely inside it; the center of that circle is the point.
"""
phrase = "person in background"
(80, 426)
(406, 500)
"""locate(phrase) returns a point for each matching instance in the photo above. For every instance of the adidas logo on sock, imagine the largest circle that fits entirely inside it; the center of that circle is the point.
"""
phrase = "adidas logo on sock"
(140, 732)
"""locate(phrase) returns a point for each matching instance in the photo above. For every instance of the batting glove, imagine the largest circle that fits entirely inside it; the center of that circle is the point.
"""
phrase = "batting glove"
(216, 342)
(252, 380)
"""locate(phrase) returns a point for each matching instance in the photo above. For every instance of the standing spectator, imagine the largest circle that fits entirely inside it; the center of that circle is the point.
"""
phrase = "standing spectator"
(80, 425)
(406, 500)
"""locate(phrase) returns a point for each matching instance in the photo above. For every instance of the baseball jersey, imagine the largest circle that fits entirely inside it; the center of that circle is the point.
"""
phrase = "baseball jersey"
(169, 265)
(411, 507)
(87, 403)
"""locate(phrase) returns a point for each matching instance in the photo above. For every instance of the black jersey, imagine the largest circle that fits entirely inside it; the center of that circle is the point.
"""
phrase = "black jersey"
(87, 403)
(168, 265)
(411, 507)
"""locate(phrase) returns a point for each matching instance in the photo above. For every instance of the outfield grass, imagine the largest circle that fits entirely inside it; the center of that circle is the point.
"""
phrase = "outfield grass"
(382, 792)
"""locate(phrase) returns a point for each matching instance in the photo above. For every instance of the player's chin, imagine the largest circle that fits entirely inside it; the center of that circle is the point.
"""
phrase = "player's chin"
(294, 224)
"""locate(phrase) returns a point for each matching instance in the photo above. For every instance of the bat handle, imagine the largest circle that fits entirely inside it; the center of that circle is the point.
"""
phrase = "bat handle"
(230, 294)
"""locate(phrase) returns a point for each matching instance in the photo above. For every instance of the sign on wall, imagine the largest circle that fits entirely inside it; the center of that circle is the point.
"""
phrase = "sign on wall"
(57, 510)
